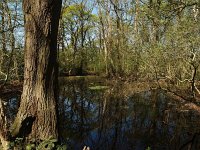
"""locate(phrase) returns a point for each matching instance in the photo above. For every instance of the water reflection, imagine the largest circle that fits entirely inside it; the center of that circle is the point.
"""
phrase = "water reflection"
(109, 119)
(113, 119)
(11, 103)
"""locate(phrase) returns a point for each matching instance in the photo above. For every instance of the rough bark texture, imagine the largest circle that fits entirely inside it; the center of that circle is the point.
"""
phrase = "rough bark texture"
(3, 128)
(37, 115)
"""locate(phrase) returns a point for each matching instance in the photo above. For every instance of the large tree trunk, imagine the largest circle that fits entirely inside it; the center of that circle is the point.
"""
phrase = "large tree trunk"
(4, 137)
(37, 115)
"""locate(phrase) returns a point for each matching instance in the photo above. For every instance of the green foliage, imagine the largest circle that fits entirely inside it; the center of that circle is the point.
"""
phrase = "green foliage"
(98, 87)
(105, 41)
(148, 148)
(48, 144)
(61, 147)
(30, 146)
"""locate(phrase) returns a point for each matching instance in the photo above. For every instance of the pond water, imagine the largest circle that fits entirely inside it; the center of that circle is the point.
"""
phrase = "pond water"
(106, 117)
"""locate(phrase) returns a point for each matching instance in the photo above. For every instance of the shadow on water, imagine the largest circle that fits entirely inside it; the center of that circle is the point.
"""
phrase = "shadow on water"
(106, 117)
(110, 119)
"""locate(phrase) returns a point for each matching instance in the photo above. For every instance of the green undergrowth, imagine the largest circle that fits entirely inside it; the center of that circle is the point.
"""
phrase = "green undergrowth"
(49, 144)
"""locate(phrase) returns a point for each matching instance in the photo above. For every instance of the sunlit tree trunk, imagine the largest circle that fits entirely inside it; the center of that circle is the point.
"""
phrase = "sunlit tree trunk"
(3, 127)
(37, 115)
(136, 17)
(12, 57)
(103, 41)
(3, 27)
(3, 39)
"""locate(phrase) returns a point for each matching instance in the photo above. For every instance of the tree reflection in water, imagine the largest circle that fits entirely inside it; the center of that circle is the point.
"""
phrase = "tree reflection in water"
(113, 119)
(109, 119)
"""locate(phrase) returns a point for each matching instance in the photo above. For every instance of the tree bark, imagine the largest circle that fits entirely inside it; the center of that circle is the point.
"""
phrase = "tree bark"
(3, 28)
(37, 115)
(3, 38)
(3, 128)
(136, 19)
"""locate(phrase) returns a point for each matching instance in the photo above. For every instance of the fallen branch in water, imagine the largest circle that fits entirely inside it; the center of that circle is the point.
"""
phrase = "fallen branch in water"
(186, 99)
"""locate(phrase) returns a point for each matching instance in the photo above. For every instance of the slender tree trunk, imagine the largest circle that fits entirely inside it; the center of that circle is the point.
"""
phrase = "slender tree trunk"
(3, 38)
(83, 34)
(136, 19)
(37, 115)
(118, 59)
(3, 28)
(109, 40)
(104, 41)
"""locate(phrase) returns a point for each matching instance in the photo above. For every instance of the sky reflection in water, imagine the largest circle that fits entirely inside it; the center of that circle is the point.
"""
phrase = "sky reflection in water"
(111, 119)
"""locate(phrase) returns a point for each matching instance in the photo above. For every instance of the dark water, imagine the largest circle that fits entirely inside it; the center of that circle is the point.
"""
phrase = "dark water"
(111, 119)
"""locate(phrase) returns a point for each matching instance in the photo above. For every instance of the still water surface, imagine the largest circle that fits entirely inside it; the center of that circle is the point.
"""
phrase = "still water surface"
(106, 117)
